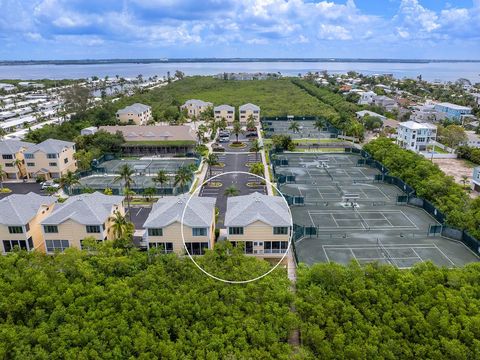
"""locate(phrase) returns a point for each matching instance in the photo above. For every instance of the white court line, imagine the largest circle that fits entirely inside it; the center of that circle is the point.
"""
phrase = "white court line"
(319, 193)
(331, 215)
(384, 258)
(411, 222)
(138, 212)
(441, 252)
(413, 249)
(325, 252)
(392, 246)
(311, 219)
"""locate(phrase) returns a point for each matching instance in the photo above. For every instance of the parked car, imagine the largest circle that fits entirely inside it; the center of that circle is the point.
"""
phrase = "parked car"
(251, 134)
(218, 148)
(224, 139)
(50, 184)
(224, 133)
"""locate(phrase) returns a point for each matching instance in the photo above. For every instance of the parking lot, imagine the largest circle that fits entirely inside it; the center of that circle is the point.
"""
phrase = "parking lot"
(22, 188)
(238, 161)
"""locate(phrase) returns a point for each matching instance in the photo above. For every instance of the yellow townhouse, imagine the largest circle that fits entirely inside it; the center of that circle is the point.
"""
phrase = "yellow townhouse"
(81, 216)
(20, 217)
(195, 107)
(50, 159)
(137, 113)
(163, 225)
(226, 112)
(12, 159)
(261, 222)
(247, 110)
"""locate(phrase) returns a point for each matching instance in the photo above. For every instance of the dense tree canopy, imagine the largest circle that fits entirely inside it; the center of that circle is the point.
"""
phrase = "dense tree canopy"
(113, 305)
(380, 312)
(430, 183)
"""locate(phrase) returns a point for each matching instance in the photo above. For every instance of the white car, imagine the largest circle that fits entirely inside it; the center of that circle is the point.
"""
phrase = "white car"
(50, 184)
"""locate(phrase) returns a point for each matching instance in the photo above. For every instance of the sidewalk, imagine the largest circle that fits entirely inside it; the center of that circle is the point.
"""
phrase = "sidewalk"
(264, 161)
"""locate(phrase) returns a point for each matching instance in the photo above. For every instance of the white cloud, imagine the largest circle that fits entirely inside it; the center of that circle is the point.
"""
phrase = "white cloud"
(333, 32)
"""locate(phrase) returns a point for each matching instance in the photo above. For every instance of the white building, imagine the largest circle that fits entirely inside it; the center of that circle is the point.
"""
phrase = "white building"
(415, 136)
(366, 98)
(7, 87)
(195, 107)
(476, 179)
(89, 130)
(363, 113)
(473, 140)
(247, 110)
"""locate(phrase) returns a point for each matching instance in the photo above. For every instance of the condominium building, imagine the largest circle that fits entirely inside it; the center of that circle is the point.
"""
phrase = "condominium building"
(247, 110)
(226, 112)
(12, 158)
(82, 216)
(415, 136)
(453, 111)
(50, 159)
(164, 224)
(138, 114)
(195, 107)
(476, 179)
(20, 217)
(261, 223)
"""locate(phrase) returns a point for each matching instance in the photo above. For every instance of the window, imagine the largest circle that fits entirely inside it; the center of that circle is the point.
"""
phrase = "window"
(15, 230)
(93, 229)
(9, 245)
(27, 227)
(155, 232)
(275, 247)
(56, 245)
(30, 164)
(280, 230)
(199, 232)
(165, 247)
(7, 156)
(8, 165)
(65, 160)
(247, 246)
(30, 243)
(29, 156)
(51, 156)
(50, 229)
(196, 248)
(52, 164)
(237, 230)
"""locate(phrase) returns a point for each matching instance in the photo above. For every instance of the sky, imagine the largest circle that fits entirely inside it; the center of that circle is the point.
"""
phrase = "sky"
(105, 29)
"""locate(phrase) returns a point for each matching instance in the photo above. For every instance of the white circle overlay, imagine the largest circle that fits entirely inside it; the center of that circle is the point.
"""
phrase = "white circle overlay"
(236, 281)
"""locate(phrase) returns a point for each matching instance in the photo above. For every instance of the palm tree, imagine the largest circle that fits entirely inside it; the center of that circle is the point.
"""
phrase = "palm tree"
(161, 178)
(222, 123)
(294, 126)
(68, 180)
(211, 160)
(3, 132)
(250, 122)
(257, 169)
(231, 191)
(202, 129)
(464, 181)
(2, 175)
(183, 176)
(256, 148)
(319, 124)
(237, 129)
(125, 174)
(149, 193)
(121, 227)
(18, 163)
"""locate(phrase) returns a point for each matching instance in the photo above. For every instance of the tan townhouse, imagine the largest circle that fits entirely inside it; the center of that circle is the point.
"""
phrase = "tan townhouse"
(82, 216)
(261, 222)
(20, 217)
(163, 225)
(247, 110)
(226, 112)
(138, 114)
(50, 159)
(12, 159)
(195, 107)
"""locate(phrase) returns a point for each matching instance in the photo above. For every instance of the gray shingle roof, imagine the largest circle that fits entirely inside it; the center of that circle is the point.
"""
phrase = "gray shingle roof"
(224, 107)
(168, 210)
(12, 146)
(249, 106)
(19, 209)
(86, 209)
(50, 146)
(136, 108)
(197, 102)
(245, 210)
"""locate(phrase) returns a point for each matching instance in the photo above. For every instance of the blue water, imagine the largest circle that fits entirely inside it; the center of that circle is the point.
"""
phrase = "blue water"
(429, 71)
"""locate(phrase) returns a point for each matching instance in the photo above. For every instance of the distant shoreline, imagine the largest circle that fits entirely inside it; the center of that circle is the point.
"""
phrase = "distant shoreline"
(226, 60)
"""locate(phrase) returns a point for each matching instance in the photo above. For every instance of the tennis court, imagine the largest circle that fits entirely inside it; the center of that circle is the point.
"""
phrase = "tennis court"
(306, 130)
(147, 166)
(345, 214)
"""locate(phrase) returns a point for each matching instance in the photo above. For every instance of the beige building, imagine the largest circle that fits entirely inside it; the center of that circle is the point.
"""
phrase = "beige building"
(137, 113)
(247, 110)
(261, 223)
(80, 217)
(20, 217)
(163, 225)
(195, 107)
(226, 112)
(50, 159)
(12, 159)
